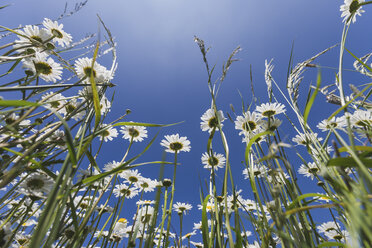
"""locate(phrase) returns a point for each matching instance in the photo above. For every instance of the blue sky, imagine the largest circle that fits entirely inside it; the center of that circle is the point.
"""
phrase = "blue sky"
(161, 76)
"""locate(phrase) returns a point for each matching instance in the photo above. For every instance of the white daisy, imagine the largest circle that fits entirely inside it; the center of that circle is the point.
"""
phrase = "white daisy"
(27, 44)
(328, 226)
(258, 171)
(6, 232)
(217, 160)
(36, 184)
(105, 105)
(146, 184)
(55, 101)
(249, 122)
(71, 106)
(83, 68)
(361, 119)
(173, 143)
(43, 67)
(58, 138)
(350, 9)
(334, 123)
(56, 30)
(309, 170)
(209, 120)
(125, 190)
(270, 109)
(306, 139)
(274, 124)
(131, 176)
(145, 202)
(182, 208)
(110, 166)
(145, 214)
(135, 133)
(108, 133)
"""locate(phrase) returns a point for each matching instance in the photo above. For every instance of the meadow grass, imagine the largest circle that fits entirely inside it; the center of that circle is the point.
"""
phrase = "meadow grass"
(54, 193)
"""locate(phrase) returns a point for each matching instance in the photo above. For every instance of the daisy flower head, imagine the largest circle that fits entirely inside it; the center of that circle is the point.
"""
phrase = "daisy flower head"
(268, 78)
(135, 133)
(56, 30)
(328, 226)
(110, 166)
(350, 9)
(30, 34)
(309, 170)
(36, 184)
(46, 68)
(258, 171)
(131, 176)
(84, 69)
(216, 161)
(173, 143)
(181, 208)
(249, 122)
(125, 190)
(210, 120)
(108, 133)
(270, 109)
(361, 119)
(55, 101)
(334, 123)
(146, 184)
(306, 139)
(71, 106)
(271, 125)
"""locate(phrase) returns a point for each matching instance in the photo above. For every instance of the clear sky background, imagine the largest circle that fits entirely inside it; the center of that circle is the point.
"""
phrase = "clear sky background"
(161, 76)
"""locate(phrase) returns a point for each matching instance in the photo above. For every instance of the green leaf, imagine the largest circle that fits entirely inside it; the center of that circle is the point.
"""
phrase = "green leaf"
(304, 196)
(329, 244)
(204, 228)
(357, 148)
(17, 103)
(360, 61)
(349, 162)
(312, 98)
(144, 124)
(96, 101)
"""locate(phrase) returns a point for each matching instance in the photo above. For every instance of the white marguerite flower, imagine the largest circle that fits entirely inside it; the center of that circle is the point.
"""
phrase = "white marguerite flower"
(108, 134)
(135, 133)
(110, 166)
(125, 190)
(328, 226)
(182, 208)
(334, 123)
(361, 119)
(305, 139)
(44, 67)
(146, 184)
(270, 109)
(258, 171)
(83, 68)
(174, 143)
(29, 35)
(249, 122)
(309, 170)
(216, 161)
(350, 9)
(36, 184)
(209, 120)
(54, 29)
(55, 101)
(71, 106)
(131, 176)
